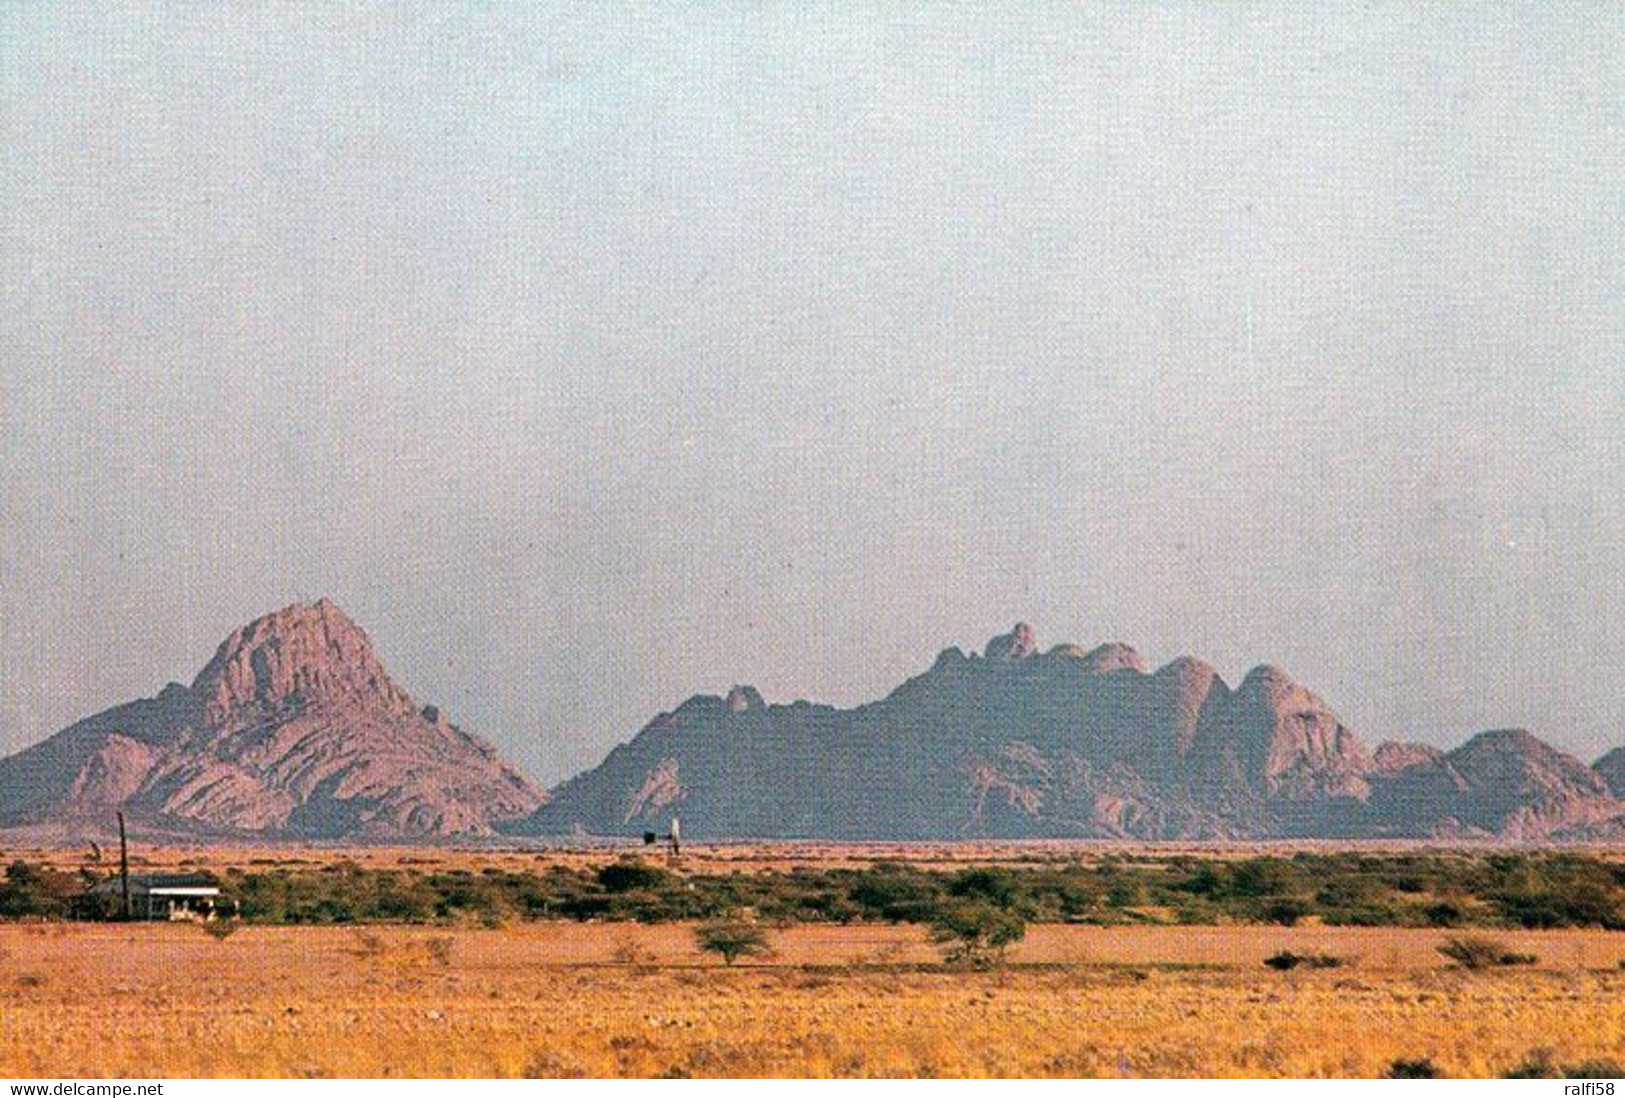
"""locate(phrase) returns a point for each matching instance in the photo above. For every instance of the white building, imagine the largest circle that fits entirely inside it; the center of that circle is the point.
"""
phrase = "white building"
(173, 896)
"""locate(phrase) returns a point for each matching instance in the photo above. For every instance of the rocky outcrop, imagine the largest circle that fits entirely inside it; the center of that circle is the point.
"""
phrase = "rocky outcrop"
(1017, 644)
(293, 728)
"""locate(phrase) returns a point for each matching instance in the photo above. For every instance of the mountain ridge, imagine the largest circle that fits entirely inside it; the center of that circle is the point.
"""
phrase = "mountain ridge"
(294, 730)
(1071, 742)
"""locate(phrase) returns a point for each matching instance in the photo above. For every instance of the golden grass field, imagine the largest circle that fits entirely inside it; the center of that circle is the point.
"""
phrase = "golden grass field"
(103, 1000)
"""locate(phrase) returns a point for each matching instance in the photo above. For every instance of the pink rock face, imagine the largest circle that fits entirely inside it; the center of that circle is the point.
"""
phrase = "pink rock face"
(745, 699)
(1191, 688)
(661, 789)
(304, 655)
(1280, 734)
(293, 728)
(114, 772)
(1011, 782)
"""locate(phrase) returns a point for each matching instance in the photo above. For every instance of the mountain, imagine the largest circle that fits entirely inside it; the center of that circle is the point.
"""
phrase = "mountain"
(1504, 783)
(292, 729)
(1024, 743)
(295, 730)
(1611, 767)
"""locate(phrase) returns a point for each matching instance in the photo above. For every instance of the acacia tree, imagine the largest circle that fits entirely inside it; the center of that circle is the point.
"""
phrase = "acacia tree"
(731, 939)
(976, 934)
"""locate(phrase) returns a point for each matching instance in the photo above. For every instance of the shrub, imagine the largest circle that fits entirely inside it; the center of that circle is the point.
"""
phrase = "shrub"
(1483, 953)
(1537, 1065)
(1540, 1064)
(1595, 1069)
(30, 891)
(220, 929)
(897, 894)
(1445, 913)
(1286, 960)
(1267, 876)
(1125, 891)
(996, 886)
(1285, 912)
(1420, 1068)
(731, 939)
(976, 933)
(1581, 903)
(631, 875)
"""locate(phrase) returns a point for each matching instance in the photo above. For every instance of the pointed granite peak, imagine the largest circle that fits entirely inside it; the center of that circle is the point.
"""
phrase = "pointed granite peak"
(304, 655)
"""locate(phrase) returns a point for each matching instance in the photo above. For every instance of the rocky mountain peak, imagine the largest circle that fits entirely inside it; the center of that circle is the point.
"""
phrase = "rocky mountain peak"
(1278, 731)
(1017, 644)
(745, 699)
(1266, 678)
(1515, 758)
(1114, 656)
(303, 656)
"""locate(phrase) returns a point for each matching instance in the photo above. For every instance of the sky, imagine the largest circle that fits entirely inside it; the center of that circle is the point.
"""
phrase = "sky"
(593, 356)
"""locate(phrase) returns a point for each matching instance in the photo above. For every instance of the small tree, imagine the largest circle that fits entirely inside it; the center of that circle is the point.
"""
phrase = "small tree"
(220, 929)
(976, 934)
(731, 939)
(1483, 953)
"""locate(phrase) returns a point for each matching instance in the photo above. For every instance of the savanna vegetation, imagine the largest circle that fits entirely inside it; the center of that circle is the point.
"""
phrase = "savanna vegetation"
(1534, 890)
(416, 963)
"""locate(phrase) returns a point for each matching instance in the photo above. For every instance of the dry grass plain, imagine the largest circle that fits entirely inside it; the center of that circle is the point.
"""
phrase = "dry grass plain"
(737, 857)
(560, 999)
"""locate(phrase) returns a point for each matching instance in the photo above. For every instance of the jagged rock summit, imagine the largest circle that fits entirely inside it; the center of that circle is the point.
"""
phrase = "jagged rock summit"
(292, 729)
(1019, 742)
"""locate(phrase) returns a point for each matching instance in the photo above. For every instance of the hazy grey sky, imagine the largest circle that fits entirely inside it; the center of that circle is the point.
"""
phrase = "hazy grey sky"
(594, 359)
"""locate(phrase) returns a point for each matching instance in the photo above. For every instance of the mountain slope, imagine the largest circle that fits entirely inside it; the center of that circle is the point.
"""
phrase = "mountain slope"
(293, 728)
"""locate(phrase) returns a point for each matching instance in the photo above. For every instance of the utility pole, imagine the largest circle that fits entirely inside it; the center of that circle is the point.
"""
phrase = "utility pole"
(674, 842)
(124, 868)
